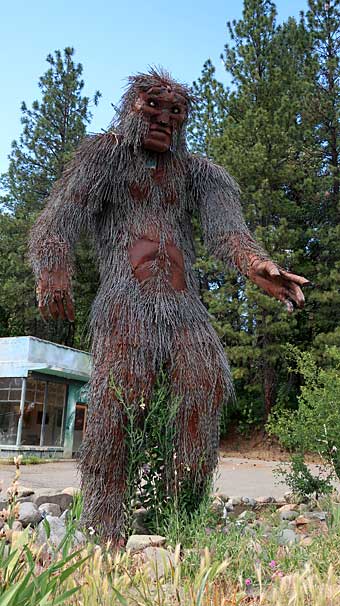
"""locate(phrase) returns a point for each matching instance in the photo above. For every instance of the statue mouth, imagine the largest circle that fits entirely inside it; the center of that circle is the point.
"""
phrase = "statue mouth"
(160, 129)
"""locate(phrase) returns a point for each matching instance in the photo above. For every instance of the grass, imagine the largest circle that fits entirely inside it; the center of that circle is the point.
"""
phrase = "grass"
(216, 563)
(31, 460)
(236, 570)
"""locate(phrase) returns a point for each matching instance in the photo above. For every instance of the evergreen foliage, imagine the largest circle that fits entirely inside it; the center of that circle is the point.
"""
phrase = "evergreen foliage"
(276, 130)
(52, 129)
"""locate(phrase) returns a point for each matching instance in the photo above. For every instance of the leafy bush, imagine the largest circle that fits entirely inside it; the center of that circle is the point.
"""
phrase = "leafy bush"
(315, 425)
(301, 480)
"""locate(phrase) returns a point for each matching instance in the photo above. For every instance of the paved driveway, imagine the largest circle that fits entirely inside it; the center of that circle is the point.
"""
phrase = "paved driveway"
(241, 477)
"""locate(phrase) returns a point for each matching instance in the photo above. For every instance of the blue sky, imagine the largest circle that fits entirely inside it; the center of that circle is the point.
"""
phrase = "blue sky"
(112, 40)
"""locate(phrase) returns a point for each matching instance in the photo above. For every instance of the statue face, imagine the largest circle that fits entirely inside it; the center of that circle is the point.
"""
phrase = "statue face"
(165, 111)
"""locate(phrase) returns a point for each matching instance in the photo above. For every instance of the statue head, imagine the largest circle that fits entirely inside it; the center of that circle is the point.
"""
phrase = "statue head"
(154, 111)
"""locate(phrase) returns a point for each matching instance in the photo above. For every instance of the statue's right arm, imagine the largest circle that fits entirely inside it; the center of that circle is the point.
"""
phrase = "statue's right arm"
(72, 203)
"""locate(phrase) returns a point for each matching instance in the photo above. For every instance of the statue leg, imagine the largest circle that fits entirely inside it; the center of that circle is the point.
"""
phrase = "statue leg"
(201, 382)
(118, 380)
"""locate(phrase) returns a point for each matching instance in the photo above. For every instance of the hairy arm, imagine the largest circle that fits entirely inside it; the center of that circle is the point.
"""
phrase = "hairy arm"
(227, 237)
(68, 212)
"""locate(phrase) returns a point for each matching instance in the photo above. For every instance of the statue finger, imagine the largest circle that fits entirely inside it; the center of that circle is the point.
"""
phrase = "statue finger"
(296, 294)
(53, 309)
(294, 278)
(272, 269)
(68, 306)
(265, 267)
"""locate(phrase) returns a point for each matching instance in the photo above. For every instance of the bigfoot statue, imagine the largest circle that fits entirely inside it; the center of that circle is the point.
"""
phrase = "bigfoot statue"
(134, 189)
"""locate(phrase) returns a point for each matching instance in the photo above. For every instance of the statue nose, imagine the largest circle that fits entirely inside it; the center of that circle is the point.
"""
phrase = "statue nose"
(163, 119)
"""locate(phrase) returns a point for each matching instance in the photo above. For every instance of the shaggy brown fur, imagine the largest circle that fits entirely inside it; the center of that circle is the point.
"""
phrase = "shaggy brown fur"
(145, 315)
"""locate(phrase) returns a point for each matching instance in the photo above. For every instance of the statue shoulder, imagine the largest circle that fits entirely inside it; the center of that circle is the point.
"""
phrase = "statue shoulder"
(85, 177)
(205, 176)
(97, 147)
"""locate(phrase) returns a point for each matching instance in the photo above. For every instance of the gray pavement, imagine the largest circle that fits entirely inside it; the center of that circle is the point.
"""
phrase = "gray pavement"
(235, 476)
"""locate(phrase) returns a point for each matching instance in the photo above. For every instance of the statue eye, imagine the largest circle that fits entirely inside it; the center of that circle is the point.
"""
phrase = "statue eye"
(176, 110)
(152, 103)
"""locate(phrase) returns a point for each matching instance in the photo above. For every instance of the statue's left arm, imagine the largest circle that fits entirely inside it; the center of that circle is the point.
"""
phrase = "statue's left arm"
(227, 237)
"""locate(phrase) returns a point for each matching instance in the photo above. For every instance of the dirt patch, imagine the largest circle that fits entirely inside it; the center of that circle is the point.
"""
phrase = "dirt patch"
(257, 445)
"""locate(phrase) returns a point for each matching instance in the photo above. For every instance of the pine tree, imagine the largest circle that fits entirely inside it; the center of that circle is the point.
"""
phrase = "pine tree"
(262, 145)
(52, 129)
(322, 111)
(207, 114)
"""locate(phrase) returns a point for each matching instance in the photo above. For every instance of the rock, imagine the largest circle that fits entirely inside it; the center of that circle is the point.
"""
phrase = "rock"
(287, 536)
(303, 507)
(246, 516)
(306, 541)
(28, 499)
(289, 507)
(52, 496)
(219, 507)
(139, 522)
(234, 501)
(301, 520)
(3, 505)
(57, 532)
(265, 500)
(221, 495)
(71, 491)
(138, 542)
(288, 497)
(29, 514)
(316, 515)
(51, 509)
(64, 515)
(17, 526)
(2, 523)
(289, 515)
(24, 491)
(159, 561)
(249, 501)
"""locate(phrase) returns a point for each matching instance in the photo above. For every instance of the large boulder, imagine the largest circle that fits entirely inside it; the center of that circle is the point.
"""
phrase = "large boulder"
(51, 509)
(57, 532)
(138, 542)
(287, 536)
(62, 499)
(29, 514)
(159, 561)
(71, 490)
(24, 491)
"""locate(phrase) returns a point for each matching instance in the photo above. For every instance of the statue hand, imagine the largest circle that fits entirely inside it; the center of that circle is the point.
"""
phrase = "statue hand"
(278, 283)
(54, 294)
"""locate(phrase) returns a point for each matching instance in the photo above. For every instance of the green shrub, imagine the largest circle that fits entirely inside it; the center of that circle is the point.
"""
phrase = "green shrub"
(301, 480)
(315, 425)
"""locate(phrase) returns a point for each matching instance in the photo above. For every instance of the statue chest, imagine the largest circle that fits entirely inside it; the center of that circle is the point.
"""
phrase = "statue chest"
(152, 258)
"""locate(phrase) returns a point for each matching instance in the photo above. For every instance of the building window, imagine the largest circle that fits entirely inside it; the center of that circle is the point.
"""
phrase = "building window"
(10, 395)
(43, 425)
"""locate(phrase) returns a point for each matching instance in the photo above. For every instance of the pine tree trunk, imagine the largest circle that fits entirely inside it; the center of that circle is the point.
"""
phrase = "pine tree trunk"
(269, 384)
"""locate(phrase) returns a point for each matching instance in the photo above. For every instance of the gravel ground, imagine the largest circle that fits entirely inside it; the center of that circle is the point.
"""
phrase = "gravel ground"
(235, 476)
